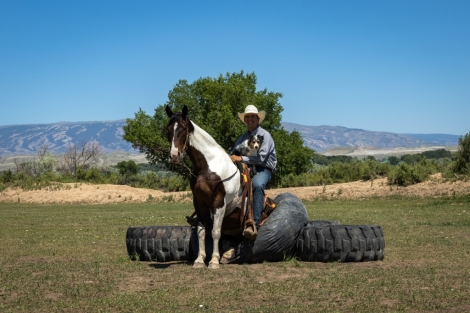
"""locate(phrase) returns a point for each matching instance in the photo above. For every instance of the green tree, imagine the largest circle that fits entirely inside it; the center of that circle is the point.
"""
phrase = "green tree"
(127, 167)
(411, 158)
(436, 154)
(6, 176)
(321, 159)
(293, 157)
(462, 158)
(213, 105)
(393, 160)
(47, 163)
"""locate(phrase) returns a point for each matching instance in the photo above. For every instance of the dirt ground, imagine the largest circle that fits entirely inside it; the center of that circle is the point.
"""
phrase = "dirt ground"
(102, 194)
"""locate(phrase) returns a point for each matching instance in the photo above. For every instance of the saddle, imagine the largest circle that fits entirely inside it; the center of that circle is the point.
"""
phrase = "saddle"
(236, 222)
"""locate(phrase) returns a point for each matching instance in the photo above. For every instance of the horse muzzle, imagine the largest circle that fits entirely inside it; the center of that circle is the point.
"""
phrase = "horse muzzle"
(176, 157)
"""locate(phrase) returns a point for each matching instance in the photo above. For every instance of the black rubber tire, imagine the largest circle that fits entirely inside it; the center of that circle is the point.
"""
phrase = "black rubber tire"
(159, 243)
(318, 223)
(344, 243)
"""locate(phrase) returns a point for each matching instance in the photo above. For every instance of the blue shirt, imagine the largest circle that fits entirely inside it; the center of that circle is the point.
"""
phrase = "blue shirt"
(266, 156)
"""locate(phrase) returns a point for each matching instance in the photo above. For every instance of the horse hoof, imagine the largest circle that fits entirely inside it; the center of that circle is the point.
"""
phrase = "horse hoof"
(213, 266)
(198, 265)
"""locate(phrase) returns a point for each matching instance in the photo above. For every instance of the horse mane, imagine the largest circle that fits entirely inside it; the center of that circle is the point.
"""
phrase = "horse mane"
(206, 137)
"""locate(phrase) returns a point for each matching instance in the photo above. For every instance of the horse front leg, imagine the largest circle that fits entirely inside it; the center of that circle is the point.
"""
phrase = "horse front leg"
(216, 233)
(201, 255)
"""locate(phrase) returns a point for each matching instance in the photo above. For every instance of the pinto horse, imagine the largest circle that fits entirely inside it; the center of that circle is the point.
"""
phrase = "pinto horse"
(214, 180)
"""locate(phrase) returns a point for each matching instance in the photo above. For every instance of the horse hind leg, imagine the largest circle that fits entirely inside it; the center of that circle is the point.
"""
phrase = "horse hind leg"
(201, 234)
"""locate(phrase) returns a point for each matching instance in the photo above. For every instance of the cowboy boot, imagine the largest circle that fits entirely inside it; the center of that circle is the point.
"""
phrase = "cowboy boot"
(227, 256)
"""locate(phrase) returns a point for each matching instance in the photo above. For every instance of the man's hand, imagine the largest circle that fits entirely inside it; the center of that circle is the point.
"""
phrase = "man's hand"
(236, 158)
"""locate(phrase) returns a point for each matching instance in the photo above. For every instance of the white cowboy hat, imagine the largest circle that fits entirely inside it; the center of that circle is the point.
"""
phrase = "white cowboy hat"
(251, 109)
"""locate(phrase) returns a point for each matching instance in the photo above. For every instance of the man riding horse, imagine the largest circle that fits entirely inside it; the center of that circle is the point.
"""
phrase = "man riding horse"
(265, 161)
(214, 179)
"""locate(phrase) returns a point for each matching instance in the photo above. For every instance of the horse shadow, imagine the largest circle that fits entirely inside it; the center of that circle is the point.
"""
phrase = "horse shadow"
(165, 265)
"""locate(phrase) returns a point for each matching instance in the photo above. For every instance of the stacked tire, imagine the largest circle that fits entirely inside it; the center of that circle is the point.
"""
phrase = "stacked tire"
(283, 234)
(319, 241)
(159, 243)
(344, 243)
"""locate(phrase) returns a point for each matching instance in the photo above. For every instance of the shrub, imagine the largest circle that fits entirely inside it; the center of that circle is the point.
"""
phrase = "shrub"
(163, 180)
(6, 176)
(406, 174)
(462, 158)
(46, 164)
(90, 175)
(393, 160)
(127, 167)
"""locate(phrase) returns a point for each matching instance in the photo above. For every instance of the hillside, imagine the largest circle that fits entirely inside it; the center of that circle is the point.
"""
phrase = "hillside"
(27, 139)
(322, 138)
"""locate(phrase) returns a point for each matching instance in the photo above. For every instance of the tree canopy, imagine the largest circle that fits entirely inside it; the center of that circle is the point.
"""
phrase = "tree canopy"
(462, 158)
(213, 105)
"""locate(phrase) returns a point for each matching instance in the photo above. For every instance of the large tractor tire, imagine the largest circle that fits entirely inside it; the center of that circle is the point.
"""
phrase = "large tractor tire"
(317, 223)
(344, 243)
(277, 238)
(159, 243)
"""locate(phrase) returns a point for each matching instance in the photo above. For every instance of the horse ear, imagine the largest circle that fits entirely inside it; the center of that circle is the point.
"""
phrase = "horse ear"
(185, 112)
(169, 112)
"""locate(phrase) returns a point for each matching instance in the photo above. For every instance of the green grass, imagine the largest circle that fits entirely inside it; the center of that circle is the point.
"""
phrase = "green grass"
(73, 258)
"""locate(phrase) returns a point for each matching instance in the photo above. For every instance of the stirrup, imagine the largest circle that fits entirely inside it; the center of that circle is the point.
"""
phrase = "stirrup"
(250, 231)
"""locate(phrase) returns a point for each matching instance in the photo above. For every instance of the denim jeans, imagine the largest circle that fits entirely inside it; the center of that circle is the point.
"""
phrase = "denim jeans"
(259, 182)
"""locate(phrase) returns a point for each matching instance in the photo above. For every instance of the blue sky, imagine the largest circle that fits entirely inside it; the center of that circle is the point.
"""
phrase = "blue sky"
(396, 66)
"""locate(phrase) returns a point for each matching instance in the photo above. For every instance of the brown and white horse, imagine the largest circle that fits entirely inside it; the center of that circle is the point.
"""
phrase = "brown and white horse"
(214, 181)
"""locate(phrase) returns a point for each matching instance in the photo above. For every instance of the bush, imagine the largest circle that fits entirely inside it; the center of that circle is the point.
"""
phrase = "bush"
(127, 167)
(374, 169)
(6, 176)
(406, 174)
(46, 164)
(393, 160)
(91, 175)
(337, 172)
(163, 180)
(462, 158)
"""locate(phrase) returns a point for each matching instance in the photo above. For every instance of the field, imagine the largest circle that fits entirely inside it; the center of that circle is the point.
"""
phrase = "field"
(73, 258)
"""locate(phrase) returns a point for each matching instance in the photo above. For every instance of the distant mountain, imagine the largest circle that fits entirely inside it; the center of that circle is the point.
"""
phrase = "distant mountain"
(321, 138)
(437, 139)
(27, 139)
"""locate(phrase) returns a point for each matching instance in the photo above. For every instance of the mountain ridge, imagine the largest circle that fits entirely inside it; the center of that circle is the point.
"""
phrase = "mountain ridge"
(26, 139)
(324, 137)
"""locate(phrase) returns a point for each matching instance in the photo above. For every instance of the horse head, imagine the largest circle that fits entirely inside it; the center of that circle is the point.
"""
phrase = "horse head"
(179, 129)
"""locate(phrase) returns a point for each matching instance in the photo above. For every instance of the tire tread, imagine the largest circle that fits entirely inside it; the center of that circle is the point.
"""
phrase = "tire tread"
(159, 243)
(344, 243)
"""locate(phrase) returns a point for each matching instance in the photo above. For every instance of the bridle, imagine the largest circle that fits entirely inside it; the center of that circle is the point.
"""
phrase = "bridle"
(185, 147)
